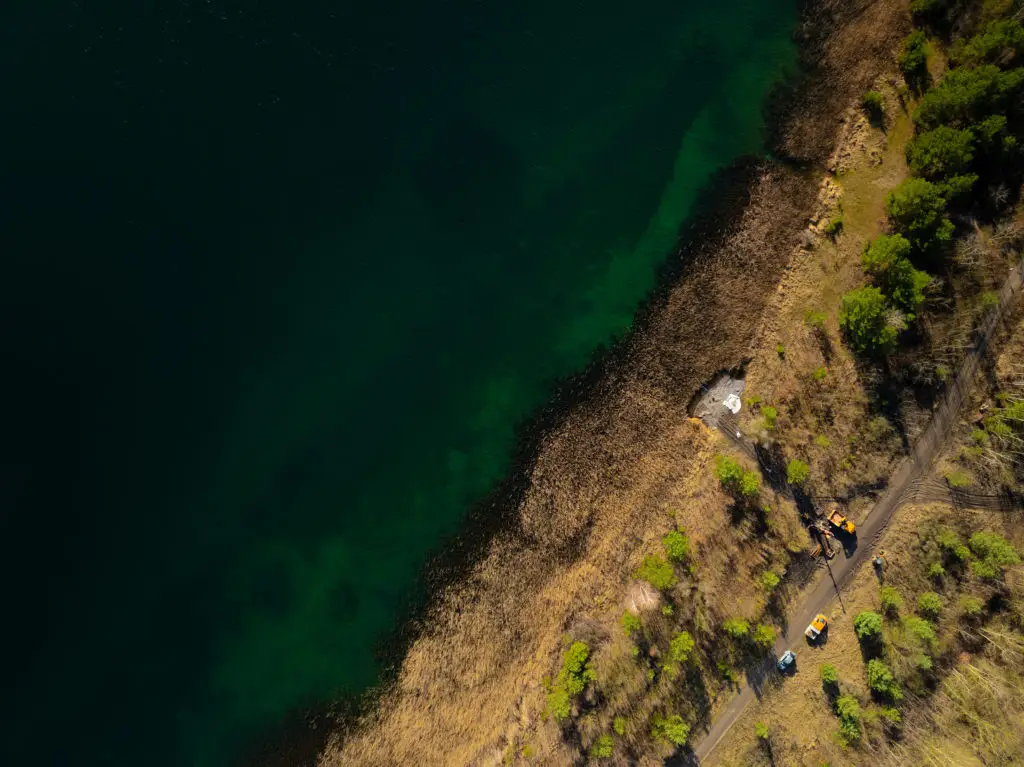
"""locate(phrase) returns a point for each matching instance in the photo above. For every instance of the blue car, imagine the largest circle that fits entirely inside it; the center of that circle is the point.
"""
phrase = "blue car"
(786, 661)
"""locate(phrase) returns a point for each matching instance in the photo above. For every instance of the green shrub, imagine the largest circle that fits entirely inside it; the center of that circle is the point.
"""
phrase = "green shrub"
(734, 479)
(913, 59)
(559, 703)
(769, 581)
(993, 554)
(677, 546)
(971, 607)
(602, 747)
(619, 725)
(882, 681)
(769, 414)
(829, 675)
(822, 441)
(577, 670)
(681, 647)
(834, 226)
(780, 350)
(929, 604)
(936, 571)
(764, 635)
(941, 152)
(874, 105)
(820, 374)
(923, 662)
(848, 709)
(1001, 43)
(967, 95)
(952, 547)
(958, 479)
(815, 320)
(657, 572)
(892, 602)
(921, 631)
(797, 472)
(865, 320)
(737, 628)
(667, 610)
(917, 210)
(761, 731)
(671, 729)
(630, 623)
(868, 626)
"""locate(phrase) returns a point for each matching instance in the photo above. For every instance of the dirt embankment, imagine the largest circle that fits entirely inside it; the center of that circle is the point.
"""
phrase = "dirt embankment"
(602, 481)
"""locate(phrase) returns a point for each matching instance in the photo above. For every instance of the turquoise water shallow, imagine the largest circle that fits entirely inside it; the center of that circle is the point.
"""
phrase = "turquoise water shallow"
(280, 281)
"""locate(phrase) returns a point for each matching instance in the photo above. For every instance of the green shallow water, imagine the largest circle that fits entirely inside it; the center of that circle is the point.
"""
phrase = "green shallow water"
(280, 280)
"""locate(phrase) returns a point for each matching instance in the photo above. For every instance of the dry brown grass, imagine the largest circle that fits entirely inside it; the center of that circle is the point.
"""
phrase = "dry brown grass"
(623, 468)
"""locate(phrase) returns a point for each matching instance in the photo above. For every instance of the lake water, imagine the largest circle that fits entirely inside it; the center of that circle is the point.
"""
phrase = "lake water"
(279, 281)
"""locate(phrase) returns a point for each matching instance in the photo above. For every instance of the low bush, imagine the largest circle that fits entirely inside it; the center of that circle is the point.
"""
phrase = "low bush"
(882, 681)
(797, 472)
(681, 647)
(677, 546)
(874, 105)
(868, 626)
(670, 729)
(657, 572)
(993, 555)
(892, 602)
(764, 635)
(848, 710)
(929, 604)
(630, 623)
(734, 479)
(602, 747)
(737, 628)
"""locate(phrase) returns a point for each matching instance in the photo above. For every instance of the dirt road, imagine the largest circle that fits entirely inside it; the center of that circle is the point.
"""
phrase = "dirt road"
(901, 484)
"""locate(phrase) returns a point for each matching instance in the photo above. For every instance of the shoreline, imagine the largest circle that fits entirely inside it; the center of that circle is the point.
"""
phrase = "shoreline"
(753, 206)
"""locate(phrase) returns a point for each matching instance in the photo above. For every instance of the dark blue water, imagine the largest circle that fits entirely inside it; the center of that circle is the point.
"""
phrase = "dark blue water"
(279, 281)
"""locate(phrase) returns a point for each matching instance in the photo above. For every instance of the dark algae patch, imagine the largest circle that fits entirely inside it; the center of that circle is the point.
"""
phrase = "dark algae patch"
(279, 282)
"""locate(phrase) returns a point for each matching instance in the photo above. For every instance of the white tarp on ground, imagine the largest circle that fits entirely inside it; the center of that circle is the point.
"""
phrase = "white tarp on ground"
(732, 402)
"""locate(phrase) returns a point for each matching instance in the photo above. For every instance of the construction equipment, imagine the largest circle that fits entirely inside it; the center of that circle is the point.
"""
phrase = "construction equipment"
(817, 625)
(786, 661)
(839, 521)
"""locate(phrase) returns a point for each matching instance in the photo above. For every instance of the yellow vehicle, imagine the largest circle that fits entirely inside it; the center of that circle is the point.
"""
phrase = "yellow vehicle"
(839, 520)
(817, 626)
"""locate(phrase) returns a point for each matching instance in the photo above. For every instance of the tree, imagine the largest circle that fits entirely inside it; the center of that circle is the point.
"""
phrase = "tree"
(764, 635)
(882, 681)
(887, 260)
(865, 321)
(677, 546)
(917, 210)
(770, 414)
(657, 572)
(681, 647)
(1001, 43)
(797, 472)
(868, 626)
(993, 554)
(968, 95)
(929, 604)
(941, 152)
(892, 602)
(769, 581)
(671, 729)
(914, 58)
